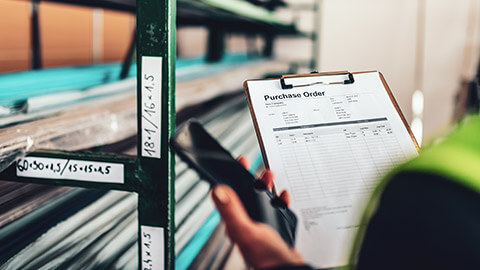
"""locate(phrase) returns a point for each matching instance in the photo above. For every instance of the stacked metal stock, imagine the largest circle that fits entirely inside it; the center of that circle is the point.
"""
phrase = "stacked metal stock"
(72, 228)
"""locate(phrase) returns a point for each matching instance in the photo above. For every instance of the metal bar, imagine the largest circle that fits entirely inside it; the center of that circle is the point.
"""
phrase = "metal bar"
(316, 35)
(119, 5)
(127, 62)
(35, 32)
(156, 21)
(268, 47)
(21, 232)
(77, 169)
(296, 7)
(239, 26)
(216, 44)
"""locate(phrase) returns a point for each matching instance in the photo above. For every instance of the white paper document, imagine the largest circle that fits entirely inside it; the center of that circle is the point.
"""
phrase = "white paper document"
(329, 145)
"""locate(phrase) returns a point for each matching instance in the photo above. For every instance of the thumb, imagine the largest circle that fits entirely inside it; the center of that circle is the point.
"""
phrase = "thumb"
(232, 211)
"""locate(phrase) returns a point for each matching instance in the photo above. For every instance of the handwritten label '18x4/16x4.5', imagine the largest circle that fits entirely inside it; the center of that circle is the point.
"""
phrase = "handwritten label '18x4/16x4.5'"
(151, 106)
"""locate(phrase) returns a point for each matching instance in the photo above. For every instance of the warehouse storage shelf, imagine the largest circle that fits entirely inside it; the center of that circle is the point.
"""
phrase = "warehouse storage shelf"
(152, 176)
(234, 15)
(239, 14)
(73, 201)
(17, 88)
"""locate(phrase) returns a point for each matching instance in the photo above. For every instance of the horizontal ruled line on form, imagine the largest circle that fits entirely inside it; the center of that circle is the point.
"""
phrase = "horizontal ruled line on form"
(331, 124)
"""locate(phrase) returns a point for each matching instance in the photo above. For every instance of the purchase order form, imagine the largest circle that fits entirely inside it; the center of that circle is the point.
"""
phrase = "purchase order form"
(329, 145)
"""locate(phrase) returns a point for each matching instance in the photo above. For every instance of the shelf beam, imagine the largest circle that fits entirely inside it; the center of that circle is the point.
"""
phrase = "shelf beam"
(75, 169)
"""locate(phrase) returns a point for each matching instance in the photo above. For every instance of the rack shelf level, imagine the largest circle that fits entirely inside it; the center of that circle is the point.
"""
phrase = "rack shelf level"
(150, 174)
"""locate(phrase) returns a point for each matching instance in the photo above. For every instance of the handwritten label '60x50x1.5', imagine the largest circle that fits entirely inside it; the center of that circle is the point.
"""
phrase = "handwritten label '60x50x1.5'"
(70, 169)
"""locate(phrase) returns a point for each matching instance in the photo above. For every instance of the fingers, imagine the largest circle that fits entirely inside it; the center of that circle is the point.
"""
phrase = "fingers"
(285, 196)
(267, 179)
(260, 245)
(233, 213)
(297, 255)
(244, 161)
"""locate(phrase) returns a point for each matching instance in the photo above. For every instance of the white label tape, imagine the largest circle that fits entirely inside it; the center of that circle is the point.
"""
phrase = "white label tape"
(153, 248)
(55, 168)
(151, 106)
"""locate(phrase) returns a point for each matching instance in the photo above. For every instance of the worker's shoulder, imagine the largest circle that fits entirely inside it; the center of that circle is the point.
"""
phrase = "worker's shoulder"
(426, 219)
(456, 157)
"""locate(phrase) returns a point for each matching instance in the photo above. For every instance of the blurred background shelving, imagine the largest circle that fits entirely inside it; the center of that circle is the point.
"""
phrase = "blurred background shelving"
(65, 91)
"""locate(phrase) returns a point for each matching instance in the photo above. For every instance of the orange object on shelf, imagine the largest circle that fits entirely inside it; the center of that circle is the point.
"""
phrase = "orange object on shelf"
(69, 35)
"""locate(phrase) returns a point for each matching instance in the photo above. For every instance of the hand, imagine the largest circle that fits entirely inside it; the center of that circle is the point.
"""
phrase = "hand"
(260, 245)
(267, 179)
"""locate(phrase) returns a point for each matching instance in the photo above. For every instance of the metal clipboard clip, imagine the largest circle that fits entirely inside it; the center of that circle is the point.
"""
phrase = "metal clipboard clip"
(285, 86)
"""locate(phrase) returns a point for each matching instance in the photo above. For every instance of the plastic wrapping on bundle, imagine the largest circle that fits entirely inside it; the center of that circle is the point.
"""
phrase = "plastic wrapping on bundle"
(101, 234)
(83, 126)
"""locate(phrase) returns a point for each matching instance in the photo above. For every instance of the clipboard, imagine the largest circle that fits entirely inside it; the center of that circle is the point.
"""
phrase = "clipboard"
(350, 80)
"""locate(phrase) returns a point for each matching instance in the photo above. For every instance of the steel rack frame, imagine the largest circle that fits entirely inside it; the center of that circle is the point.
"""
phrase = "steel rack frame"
(151, 173)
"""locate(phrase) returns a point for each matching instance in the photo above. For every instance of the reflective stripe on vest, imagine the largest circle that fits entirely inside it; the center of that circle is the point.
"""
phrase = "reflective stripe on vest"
(457, 157)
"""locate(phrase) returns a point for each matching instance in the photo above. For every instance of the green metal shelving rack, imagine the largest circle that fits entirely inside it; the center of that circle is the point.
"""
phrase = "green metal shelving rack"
(156, 164)
(151, 174)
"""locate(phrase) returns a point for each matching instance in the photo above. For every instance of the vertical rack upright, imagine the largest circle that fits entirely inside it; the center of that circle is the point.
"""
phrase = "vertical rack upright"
(151, 174)
(156, 73)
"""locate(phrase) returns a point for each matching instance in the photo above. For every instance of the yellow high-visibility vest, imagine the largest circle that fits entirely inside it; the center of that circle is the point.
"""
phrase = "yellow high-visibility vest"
(457, 157)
